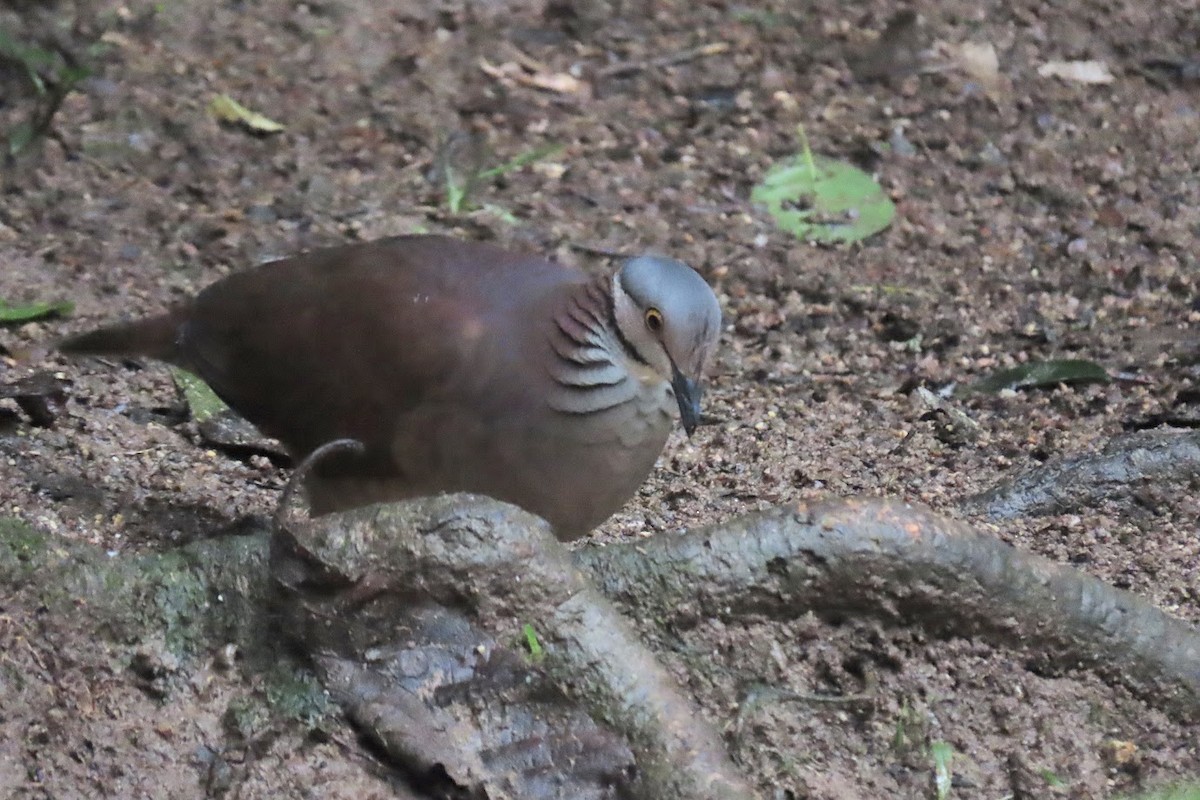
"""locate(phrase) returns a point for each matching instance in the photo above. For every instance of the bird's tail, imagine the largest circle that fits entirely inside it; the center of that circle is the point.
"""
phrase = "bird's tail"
(152, 337)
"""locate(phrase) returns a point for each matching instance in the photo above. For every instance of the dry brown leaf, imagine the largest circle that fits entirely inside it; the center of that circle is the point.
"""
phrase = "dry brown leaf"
(980, 62)
(511, 72)
(560, 82)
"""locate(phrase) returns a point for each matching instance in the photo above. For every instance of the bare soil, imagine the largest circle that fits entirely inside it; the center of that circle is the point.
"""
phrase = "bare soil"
(1037, 218)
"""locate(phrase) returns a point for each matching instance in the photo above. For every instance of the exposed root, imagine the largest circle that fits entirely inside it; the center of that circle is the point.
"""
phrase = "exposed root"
(504, 569)
(498, 569)
(1083, 481)
(412, 614)
(910, 567)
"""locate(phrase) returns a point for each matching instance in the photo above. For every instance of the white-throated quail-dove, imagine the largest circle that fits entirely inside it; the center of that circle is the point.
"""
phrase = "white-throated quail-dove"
(459, 366)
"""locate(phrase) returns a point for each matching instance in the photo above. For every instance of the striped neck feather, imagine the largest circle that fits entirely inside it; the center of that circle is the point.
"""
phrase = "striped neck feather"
(589, 371)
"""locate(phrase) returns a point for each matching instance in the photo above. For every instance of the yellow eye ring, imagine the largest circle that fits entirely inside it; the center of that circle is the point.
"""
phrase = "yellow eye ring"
(654, 319)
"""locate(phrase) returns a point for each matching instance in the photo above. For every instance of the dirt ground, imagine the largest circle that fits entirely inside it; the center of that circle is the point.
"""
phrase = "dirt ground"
(1037, 218)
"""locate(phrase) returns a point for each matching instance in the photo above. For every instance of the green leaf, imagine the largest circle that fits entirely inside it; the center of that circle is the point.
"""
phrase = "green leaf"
(1051, 778)
(943, 774)
(501, 213)
(20, 137)
(531, 641)
(520, 160)
(27, 55)
(32, 311)
(456, 191)
(824, 200)
(226, 109)
(1036, 374)
(69, 76)
(201, 400)
(459, 186)
(30, 57)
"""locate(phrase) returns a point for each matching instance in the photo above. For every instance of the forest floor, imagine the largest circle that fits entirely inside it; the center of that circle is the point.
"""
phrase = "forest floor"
(1037, 218)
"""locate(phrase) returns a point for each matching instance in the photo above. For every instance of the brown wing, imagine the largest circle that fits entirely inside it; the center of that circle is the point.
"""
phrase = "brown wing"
(345, 342)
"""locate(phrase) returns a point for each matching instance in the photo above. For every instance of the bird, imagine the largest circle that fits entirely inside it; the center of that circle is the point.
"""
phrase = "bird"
(459, 366)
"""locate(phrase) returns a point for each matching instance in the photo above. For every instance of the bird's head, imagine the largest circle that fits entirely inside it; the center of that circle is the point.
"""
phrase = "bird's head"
(670, 319)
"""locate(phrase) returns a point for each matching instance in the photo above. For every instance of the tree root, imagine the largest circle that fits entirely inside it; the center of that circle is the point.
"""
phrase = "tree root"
(356, 576)
(413, 616)
(392, 574)
(908, 566)
(1086, 480)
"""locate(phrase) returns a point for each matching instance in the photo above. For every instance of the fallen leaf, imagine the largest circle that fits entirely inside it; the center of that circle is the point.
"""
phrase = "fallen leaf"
(553, 170)
(202, 401)
(980, 62)
(943, 772)
(1035, 374)
(218, 424)
(20, 137)
(951, 425)
(1077, 71)
(821, 199)
(559, 82)
(226, 109)
(226, 431)
(33, 311)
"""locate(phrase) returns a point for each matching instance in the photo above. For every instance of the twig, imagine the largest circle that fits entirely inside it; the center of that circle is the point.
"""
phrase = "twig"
(622, 68)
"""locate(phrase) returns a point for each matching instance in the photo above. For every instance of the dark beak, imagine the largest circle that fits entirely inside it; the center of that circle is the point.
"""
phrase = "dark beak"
(687, 394)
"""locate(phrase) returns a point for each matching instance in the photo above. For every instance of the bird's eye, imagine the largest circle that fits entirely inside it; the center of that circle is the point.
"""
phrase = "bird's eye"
(654, 319)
